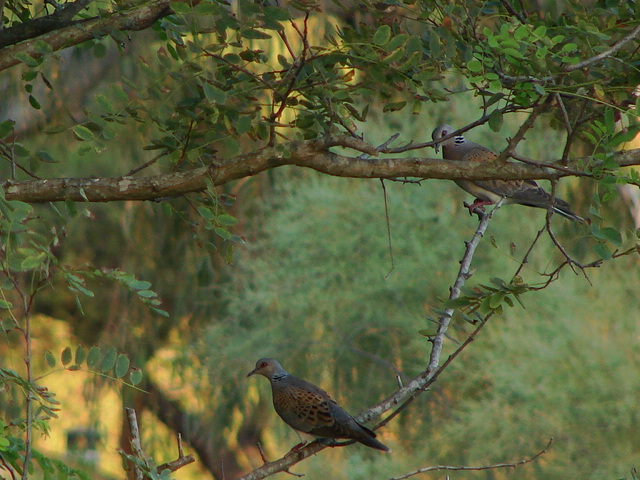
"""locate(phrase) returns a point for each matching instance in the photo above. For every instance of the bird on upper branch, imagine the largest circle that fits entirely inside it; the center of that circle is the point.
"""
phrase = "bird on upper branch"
(524, 192)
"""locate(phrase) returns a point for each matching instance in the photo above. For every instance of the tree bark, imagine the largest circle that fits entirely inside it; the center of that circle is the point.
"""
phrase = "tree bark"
(314, 154)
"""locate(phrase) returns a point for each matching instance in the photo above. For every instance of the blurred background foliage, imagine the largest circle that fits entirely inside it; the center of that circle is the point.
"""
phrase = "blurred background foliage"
(311, 279)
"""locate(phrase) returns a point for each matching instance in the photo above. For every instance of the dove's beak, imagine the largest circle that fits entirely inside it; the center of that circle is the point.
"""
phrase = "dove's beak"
(436, 147)
(252, 372)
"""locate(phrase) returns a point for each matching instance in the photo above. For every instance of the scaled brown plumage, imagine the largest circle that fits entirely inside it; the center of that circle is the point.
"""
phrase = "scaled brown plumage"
(310, 410)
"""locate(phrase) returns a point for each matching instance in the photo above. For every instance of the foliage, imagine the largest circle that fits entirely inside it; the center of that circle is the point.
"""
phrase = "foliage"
(209, 86)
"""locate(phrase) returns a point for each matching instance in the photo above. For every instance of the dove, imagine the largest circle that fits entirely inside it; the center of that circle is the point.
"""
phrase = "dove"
(309, 410)
(524, 192)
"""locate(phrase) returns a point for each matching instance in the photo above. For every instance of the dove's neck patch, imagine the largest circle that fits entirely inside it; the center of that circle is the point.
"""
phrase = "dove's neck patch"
(459, 140)
(279, 376)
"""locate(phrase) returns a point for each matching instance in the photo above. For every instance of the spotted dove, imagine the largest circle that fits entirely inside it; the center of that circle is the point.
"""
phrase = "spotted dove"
(524, 192)
(309, 410)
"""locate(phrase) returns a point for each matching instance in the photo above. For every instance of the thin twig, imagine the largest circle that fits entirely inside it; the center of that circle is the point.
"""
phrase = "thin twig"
(6, 467)
(524, 128)
(179, 462)
(480, 467)
(607, 53)
(512, 11)
(525, 259)
(565, 114)
(145, 165)
(553, 166)
(386, 214)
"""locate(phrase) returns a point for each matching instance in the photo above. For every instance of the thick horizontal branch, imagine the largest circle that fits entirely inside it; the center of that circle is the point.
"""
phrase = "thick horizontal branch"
(136, 18)
(35, 27)
(310, 154)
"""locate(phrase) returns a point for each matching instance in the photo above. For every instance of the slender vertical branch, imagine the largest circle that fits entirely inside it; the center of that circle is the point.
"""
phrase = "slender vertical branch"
(524, 128)
(461, 278)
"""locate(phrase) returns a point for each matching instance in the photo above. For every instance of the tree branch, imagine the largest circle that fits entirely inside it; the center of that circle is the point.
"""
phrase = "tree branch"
(136, 18)
(405, 395)
(479, 467)
(314, 154)
(607, 53)
(39, 26)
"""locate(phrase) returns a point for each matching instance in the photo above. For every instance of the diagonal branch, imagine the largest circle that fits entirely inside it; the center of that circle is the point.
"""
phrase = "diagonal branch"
(607, 53)
(416, 386)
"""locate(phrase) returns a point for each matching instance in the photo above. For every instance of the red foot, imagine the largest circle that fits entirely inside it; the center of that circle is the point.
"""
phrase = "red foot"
(477, 206)
(297, 447)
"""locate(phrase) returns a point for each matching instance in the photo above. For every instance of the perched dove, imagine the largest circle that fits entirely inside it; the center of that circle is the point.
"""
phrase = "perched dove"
(309, 410)
(524, 192)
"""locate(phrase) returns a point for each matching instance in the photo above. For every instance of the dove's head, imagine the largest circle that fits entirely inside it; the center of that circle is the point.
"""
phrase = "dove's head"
(268, 367)
(439, 133)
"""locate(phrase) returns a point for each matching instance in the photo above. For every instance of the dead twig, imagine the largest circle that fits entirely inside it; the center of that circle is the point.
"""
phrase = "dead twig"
(479, 467)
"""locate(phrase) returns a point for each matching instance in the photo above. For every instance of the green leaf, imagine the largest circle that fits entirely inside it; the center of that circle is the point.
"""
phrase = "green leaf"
(139, 284)
(34, 102)
(51, 360)
(27, 59)
(395, 106)
(541, 31)
(382, 35)
(496, 299)
(397, 42)
(568, 47)
(33, 262)
(122, 365)
(147, 294)
(253, 34)
(612, 235)
(66, 356)
(159, 311)
(394, 56)
(5, 304)
(205, 8)
(602, 251)
(457, 302)
(6, 127)
(93, 358)
(475, 66)
(214, 94)
(104, 103)
(135, 376)
(206, 212)
(277, 13)
(83, 133)
(181, 8)
(496, 120)
(428, 333)
(45, 157)
(521, 32)
(81, 354)
(42, 47)
(109, 360)
(226, 220)
(221, 232)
